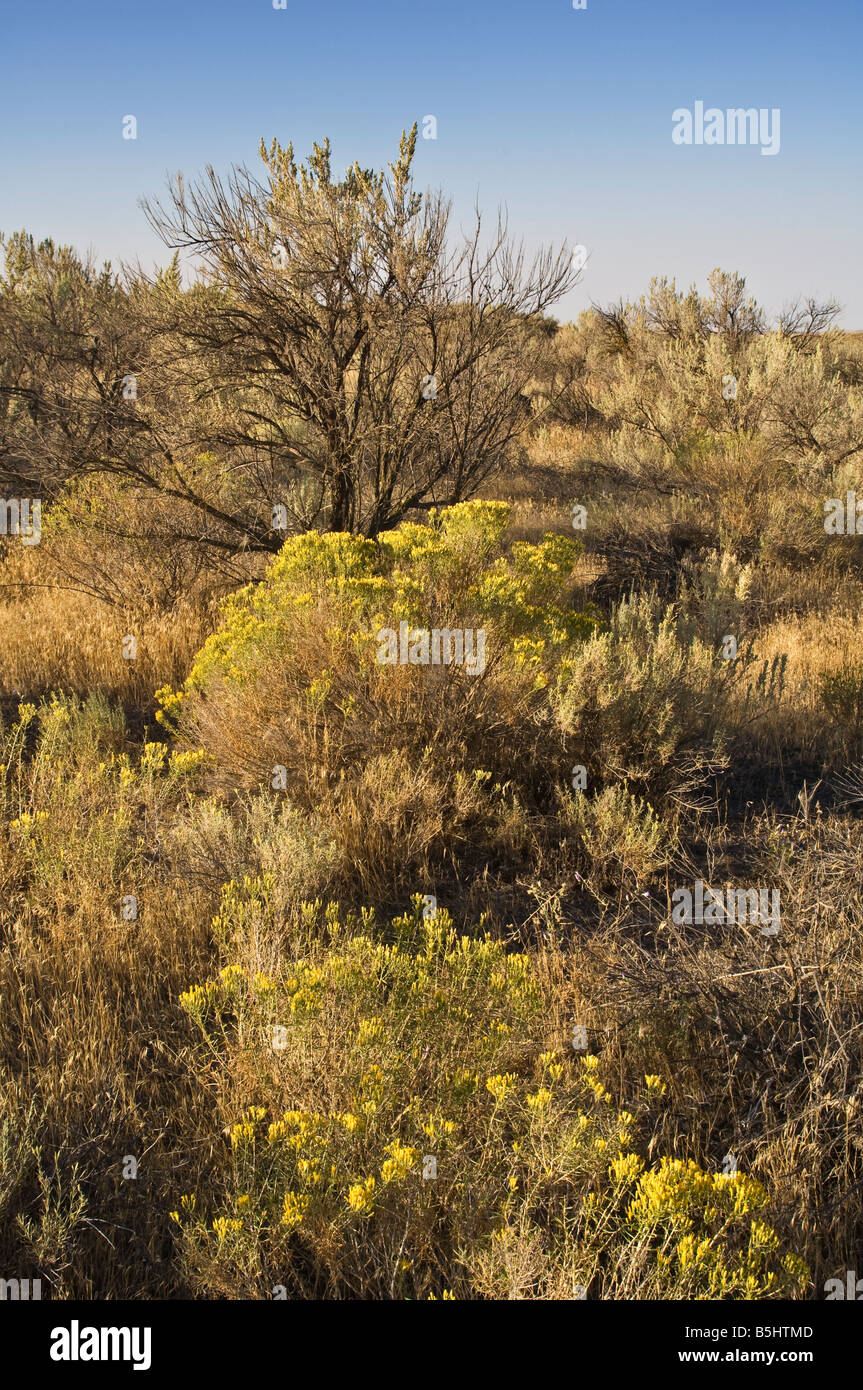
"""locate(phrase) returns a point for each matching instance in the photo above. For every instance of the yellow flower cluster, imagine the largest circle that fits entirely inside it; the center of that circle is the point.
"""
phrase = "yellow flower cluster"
(590, 1065)
(437, 1128)
(371, 1091)
(299, 1129)
(294, 1208)
(678, 1185)
(402, 1159)
(200, 1000)
(369, 1029)
(361, 1197)
(625, 1168)
(462, 1081)
(541, 1100)
(225, 1226)
(184, 764)
(549, 1064)
(691, 1251)
(170, 702)
(500, 1085)
(153, 757)
(188, 1203)
(246, 1131)
(306, 991)
(28, 819)
(309, 1171)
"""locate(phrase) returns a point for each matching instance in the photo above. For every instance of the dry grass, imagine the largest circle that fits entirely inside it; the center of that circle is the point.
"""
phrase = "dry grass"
(743, 773)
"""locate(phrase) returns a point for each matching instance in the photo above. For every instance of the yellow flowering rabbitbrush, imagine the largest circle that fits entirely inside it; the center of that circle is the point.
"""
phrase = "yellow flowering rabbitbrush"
(426, 1044)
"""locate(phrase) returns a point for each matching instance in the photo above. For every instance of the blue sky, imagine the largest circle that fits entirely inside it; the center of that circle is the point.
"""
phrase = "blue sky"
(564, 116)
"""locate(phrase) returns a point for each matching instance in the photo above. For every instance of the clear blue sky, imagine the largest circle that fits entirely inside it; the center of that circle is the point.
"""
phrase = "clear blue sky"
(562, 115)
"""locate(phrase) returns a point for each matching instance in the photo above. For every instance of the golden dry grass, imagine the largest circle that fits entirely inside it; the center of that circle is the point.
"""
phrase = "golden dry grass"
(745, 774)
